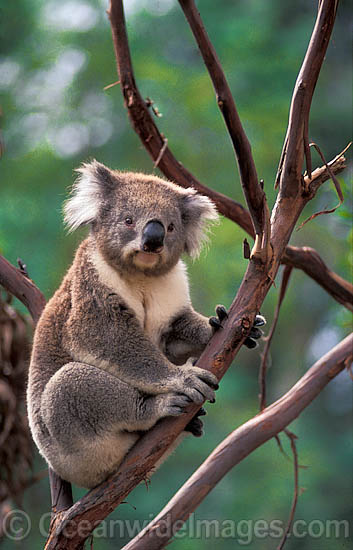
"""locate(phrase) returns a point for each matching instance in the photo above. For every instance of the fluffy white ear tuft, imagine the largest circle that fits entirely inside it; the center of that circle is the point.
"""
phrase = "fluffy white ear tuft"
(199, 213)
(82, 206)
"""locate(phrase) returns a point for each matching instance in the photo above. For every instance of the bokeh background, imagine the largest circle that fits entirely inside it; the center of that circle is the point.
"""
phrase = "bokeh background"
(55, 60)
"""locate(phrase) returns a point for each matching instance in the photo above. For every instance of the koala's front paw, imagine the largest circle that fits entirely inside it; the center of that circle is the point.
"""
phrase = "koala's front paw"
(255, 332)
(197, 384)
(216, 322)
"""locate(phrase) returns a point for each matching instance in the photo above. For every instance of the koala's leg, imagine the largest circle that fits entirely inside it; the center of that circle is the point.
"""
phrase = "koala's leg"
(93, 419)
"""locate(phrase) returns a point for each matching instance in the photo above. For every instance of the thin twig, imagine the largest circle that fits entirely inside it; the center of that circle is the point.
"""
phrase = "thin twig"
(292, 437)
(111, 85)
(161, 153)
(335, 182)
(263, 368)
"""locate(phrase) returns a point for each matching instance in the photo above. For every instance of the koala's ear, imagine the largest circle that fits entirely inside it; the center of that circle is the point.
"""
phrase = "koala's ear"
(198, 212)
(94, 183)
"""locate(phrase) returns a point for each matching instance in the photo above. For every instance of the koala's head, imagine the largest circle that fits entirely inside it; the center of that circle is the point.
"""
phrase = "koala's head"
(140, 223)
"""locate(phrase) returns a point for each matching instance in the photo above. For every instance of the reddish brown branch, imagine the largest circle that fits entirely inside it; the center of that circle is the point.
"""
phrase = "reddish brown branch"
(239, 444)
(14, 281)
(309, 261)
(296, 143)
(253, 193)
(335, 182)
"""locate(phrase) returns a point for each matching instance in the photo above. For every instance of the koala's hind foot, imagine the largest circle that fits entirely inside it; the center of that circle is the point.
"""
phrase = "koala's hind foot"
(255, 333)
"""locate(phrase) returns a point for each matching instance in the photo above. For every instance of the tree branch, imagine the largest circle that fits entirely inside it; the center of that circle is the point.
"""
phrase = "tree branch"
(254, 195)
(309, 261)
(239, 444)
(296, 143)
(15, 282)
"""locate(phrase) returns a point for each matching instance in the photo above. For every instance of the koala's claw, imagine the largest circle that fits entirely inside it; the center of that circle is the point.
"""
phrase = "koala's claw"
(201, 412)
(198, 384)
(195, 427)
(255, 333)
(260, 321)
(250, 343)
(221, 312)
(216, 322)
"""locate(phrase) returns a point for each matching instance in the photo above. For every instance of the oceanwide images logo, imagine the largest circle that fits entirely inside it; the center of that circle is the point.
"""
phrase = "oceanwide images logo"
(17, 526)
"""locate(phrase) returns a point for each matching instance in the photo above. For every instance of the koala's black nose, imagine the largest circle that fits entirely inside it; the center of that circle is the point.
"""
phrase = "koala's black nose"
(153, 236)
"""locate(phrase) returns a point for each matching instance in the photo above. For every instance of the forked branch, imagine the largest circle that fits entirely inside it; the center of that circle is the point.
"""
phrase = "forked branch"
(153, 141)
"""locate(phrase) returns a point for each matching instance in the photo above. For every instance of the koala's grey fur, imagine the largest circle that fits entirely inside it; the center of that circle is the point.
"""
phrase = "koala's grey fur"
(112, 349)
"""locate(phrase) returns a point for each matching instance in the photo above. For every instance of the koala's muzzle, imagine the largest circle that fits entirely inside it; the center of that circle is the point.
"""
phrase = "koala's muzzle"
(153, 237)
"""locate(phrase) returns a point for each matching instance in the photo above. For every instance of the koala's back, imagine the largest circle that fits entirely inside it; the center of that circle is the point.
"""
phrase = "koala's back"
(48, 355)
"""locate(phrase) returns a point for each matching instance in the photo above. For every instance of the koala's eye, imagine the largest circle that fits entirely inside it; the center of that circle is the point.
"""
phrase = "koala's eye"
(171, 227)
(129, 221)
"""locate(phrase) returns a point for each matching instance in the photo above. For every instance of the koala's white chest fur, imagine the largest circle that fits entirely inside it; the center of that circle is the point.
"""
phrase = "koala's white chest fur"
(155, 300)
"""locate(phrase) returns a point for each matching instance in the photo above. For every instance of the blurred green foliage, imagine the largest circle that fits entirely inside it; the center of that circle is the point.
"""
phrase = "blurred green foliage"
(55, 60)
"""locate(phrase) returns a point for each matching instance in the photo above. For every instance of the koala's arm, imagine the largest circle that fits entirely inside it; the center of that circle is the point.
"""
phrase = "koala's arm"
(187, 336)
(106, 334)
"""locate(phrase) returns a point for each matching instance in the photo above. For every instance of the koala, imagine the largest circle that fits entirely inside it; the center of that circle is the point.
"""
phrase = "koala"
(114, 348)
